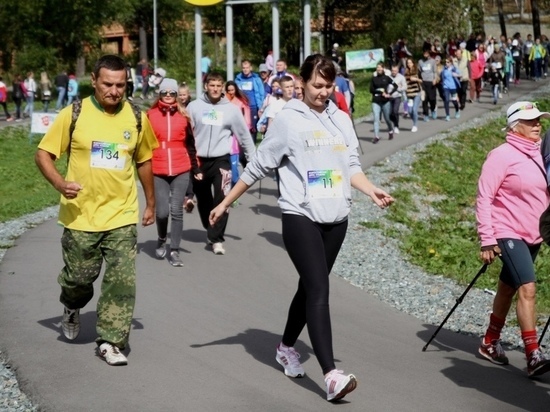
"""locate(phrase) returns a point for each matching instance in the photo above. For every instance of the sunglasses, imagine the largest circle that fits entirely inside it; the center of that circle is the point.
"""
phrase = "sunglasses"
(528, 106)
(164, 93)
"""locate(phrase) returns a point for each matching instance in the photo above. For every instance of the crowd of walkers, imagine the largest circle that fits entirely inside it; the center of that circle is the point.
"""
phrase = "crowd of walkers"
(456, 71)
(183, 148)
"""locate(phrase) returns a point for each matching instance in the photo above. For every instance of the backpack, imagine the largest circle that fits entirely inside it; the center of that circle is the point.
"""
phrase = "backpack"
(77, 108)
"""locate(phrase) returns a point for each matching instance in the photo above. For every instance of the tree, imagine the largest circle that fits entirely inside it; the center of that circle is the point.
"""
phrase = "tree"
(63, 29)
(501, 18)
(536, 18)
(138, 18)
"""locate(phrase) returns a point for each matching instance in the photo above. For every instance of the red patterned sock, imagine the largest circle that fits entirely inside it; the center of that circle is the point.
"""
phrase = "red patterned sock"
(530, 341)
(495, 326)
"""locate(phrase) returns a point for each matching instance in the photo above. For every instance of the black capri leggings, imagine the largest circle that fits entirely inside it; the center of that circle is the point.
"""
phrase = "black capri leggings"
(517, 262)
(313, 248)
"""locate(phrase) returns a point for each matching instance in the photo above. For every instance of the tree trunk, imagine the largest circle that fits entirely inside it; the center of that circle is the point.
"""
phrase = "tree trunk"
(536, 18)
(142, 43)
(501, 18)
(80, 67)
(328, 25)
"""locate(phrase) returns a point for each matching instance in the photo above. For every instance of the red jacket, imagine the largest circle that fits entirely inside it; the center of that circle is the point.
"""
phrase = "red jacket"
(176, 153)
(341, 102)
(3, 92)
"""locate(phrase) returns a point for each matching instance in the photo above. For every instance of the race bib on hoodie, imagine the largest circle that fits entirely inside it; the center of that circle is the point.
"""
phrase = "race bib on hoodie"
(212, 117)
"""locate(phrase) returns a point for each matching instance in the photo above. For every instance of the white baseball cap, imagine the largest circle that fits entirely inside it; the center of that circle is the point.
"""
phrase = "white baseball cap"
(523, 111)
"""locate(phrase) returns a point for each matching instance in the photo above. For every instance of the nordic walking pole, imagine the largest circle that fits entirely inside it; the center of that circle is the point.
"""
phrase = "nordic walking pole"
(359, 140)
(544, 330)
(458, 302)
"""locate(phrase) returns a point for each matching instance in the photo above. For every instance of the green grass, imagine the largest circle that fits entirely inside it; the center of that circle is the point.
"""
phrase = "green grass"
(23, 189)
(444, 178)
(363, 97)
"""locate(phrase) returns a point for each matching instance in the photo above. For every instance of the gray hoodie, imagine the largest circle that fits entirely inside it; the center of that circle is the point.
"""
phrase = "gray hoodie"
(213, 125)
(315, 155)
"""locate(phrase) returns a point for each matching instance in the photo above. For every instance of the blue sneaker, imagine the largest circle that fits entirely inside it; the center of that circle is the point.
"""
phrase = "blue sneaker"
(448, 118)
(457, 115)
(434, 115)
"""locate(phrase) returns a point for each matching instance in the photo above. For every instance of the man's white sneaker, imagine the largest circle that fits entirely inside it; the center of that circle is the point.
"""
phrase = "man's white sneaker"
(112, 354)
(218, 249)
(396, 130)
(414, 129)
(290, 360)
(339, 385)
(71, 323)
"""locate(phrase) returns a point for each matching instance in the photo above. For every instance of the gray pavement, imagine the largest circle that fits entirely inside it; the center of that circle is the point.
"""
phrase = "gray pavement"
(204, 335)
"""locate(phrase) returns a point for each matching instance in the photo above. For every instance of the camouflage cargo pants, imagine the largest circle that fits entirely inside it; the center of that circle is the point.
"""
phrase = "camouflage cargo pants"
(83, 255)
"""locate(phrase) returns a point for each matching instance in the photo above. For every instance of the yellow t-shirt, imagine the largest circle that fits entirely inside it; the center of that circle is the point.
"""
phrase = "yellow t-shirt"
(103, 149)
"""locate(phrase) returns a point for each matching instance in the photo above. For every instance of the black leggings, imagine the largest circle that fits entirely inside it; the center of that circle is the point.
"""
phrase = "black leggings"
(307, 243)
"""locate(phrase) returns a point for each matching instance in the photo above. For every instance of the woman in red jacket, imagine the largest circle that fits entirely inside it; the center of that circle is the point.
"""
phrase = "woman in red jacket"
(172, 161)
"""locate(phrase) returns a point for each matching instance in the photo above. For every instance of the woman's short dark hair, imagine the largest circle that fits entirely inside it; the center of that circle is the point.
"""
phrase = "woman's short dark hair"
(318, 64)
(109, 62)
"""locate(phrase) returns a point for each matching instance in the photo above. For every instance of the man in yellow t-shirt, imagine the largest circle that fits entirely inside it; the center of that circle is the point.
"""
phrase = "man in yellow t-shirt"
(99, 204)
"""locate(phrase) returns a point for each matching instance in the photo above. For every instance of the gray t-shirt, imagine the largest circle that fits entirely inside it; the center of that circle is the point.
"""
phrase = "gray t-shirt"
(427, 69)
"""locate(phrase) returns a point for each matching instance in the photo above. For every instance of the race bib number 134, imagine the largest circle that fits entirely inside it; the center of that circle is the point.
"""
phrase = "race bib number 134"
(108, 155)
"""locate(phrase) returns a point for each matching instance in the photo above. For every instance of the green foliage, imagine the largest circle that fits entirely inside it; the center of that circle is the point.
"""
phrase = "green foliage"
(180, 47)
(30, 54)
(363, 97)
(26, 191)
(443, 186)
(60, 29)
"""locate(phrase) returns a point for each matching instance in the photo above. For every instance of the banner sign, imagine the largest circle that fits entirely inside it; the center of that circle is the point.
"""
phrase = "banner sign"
(364, 59)
(41, 122)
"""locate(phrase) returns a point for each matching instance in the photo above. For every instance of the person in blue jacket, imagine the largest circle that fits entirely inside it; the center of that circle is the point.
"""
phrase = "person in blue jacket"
(72, 92)
(253, 87)
(450, 78)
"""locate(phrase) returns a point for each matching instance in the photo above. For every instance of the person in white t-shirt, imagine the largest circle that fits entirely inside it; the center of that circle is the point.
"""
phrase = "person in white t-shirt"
(30, 86)
(287, 88)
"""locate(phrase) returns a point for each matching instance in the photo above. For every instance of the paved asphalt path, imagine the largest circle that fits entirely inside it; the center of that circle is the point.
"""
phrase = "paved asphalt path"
(204, 335)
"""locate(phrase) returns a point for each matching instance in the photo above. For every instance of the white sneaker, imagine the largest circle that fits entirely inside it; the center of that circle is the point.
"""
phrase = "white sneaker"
(112, 354)
(290, 360)
(414, 129)
(71, 323)
(339, 385)
(218, 249)
(396, 130)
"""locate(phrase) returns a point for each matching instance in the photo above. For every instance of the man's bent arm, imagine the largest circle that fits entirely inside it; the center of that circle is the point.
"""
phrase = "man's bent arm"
(145, 174)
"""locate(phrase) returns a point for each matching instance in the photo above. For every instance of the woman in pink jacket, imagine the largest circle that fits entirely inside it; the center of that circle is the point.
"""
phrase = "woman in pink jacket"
(512, 195)
(239, 99)
(477, 68)
(173, 160)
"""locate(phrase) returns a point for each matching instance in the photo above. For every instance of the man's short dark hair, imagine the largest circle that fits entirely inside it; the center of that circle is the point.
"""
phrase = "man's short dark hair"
(285, 79)
(213, 76)
(109, 62)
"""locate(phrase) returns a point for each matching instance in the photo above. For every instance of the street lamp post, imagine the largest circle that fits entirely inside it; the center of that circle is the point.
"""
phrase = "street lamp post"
(155, 36)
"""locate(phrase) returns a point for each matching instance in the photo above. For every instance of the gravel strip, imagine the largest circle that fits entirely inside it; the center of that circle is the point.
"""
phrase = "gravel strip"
(368, 260)
(374, 263)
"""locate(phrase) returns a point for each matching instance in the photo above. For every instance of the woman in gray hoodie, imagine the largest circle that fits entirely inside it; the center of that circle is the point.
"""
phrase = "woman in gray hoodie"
(313, 147)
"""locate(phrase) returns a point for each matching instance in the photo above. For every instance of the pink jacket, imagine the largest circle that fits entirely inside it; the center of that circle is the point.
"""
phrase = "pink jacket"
(476, 69)
(511, 193)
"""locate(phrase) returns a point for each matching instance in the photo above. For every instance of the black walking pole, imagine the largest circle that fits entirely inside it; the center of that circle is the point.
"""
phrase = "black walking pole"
(544, 330)
(458, 302)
